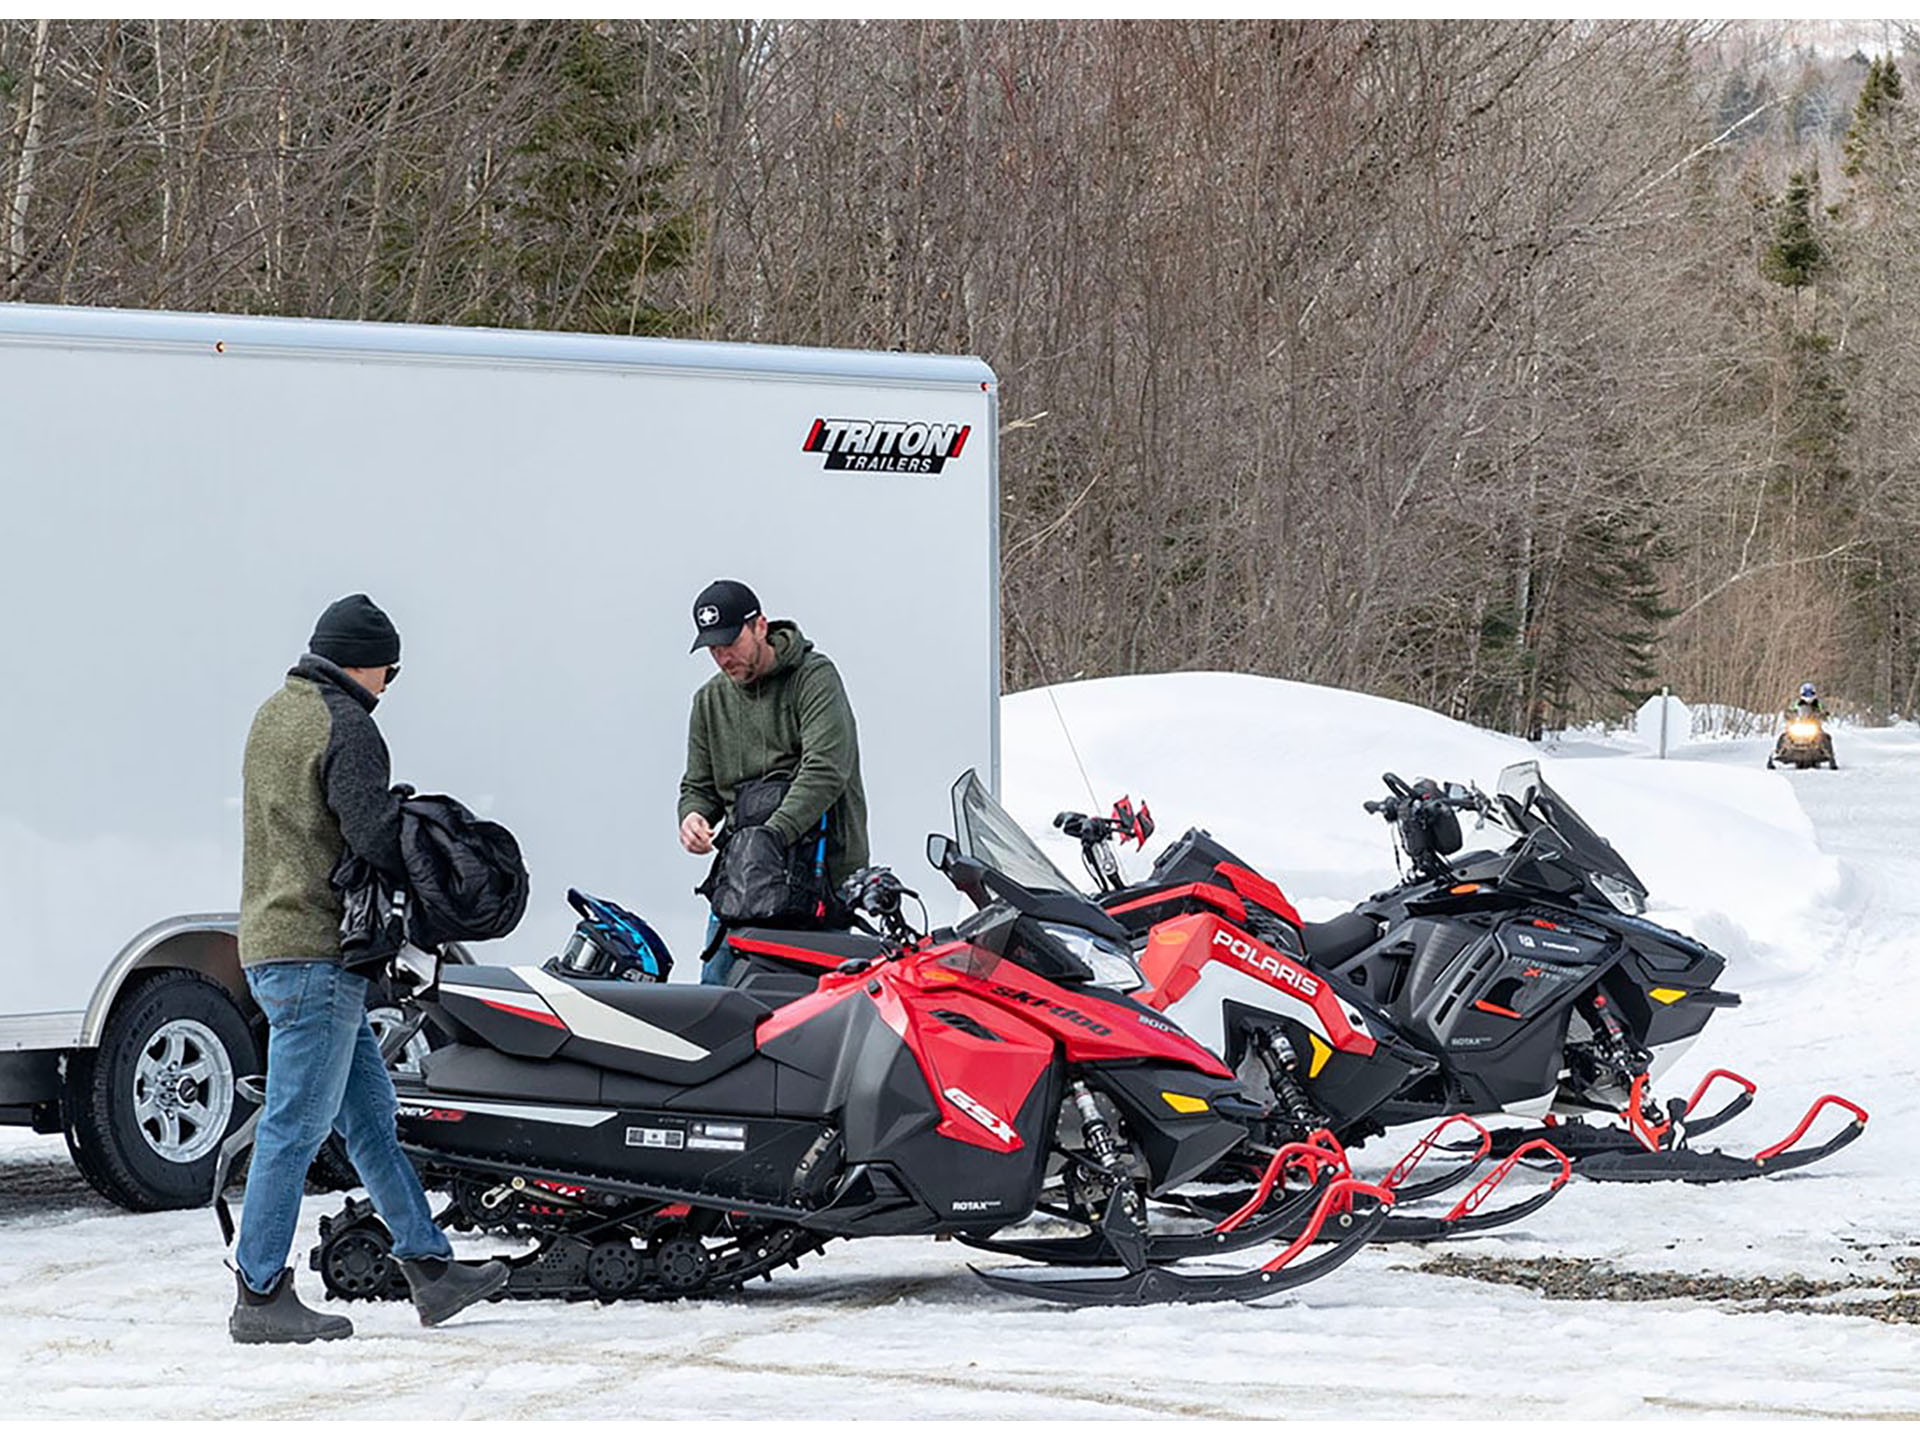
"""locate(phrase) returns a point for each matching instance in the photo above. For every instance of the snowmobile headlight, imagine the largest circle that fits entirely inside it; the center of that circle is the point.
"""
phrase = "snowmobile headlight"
(1623, 898)
(1111, 965)
(1804, 729)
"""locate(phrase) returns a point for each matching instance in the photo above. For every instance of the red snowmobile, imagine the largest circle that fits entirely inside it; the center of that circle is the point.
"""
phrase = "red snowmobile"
(660, 1141)
(1001, 864)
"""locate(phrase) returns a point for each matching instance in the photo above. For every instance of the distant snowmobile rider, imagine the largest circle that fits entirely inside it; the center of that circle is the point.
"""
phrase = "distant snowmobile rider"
(1808, 702)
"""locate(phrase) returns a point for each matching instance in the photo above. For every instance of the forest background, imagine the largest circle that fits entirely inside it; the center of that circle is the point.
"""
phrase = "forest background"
(1511, 368)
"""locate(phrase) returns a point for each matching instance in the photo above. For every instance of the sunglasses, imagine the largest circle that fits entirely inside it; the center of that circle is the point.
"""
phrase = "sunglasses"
(393, 673)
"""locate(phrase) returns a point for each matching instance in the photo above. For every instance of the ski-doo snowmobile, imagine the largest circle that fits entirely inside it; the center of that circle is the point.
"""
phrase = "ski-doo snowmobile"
(1004, 861)
(658, 1141)
(1522, 982)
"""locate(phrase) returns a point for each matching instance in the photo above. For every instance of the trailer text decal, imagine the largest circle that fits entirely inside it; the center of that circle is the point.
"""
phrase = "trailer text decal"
(913, 447)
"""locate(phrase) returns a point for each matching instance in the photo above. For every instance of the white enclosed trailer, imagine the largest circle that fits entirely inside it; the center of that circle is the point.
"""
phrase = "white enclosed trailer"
(180, 496)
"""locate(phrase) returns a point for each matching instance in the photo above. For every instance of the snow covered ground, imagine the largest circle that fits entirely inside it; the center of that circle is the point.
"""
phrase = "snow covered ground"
(1809, 881)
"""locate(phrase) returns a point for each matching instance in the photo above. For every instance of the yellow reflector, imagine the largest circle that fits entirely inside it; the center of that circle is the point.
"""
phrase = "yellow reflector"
(1322, 1052)
(1667, 997)
(1185, 1104)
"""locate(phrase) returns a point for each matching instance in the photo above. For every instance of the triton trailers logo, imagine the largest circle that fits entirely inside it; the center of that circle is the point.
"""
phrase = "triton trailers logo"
(908, 447)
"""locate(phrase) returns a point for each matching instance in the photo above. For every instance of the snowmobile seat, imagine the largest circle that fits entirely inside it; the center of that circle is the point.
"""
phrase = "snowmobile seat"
(679, 1034)
(682, 1034)
(1329, 942)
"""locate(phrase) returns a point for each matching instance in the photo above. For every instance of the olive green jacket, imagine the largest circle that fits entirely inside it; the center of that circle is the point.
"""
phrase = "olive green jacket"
(314, 784)
(793, 720)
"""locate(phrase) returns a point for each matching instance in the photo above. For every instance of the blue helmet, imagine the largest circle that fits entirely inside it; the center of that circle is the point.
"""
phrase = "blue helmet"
(1807, 692)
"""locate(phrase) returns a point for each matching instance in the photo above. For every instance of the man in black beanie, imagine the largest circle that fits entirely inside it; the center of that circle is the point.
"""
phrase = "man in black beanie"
(315, 784)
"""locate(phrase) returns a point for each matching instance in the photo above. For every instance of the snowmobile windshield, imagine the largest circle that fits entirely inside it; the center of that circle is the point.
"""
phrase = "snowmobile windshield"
(1019, 874)
(995, 839)
(1559, 845)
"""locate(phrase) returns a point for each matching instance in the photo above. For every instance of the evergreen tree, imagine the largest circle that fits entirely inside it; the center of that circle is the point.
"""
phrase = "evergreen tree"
(1796, 255)
(1880, 98)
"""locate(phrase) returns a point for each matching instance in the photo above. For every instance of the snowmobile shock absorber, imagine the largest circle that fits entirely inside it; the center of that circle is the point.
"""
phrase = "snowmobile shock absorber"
(1108, 1153)
(1276, 1052)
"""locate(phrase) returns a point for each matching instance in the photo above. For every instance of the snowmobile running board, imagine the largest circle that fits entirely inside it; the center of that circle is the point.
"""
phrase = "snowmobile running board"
(1158, 1284)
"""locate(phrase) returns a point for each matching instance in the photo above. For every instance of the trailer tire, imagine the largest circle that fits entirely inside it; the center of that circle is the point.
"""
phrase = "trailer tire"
(144, 1114)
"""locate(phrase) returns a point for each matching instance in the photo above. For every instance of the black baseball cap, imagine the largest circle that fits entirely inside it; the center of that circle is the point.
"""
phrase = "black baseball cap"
(720, 610)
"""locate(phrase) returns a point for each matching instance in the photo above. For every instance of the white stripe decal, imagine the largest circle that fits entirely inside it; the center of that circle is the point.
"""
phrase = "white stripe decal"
(544, 1114)
(591, 1020)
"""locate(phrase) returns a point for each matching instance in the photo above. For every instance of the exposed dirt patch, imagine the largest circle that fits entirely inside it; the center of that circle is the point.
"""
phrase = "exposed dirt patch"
(1893, 1301)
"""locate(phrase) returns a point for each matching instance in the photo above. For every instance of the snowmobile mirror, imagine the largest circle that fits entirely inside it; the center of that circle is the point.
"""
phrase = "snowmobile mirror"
(941, 852)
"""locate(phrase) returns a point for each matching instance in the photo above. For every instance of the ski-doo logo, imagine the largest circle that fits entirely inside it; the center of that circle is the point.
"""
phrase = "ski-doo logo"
(910, 447)
(1253, 958)
(980, 1115)
(1040, 1002)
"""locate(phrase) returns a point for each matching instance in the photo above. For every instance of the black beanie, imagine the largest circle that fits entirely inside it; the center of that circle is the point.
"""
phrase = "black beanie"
(355, 634)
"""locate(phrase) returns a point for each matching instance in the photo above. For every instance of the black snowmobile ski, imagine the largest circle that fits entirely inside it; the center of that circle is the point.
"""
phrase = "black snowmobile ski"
(1467, 1218)
(1160, 1284)
(1093, 1249)
(1646, 1148)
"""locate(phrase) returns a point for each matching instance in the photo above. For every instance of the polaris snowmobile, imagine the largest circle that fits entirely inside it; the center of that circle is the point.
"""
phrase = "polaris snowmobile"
(1003, 864)
(660, 1141)
(1523, 982)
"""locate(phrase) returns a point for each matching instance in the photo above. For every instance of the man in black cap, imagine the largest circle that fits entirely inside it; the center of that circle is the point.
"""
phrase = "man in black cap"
(315, 785)
(777, 707)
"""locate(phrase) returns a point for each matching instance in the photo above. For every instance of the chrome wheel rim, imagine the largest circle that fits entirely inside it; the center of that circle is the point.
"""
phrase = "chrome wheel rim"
(384, 1018)
(183, 1091)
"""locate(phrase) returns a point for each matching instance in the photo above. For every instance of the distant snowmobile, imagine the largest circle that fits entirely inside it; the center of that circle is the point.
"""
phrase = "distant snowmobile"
(1526, 981)
(1804, 744)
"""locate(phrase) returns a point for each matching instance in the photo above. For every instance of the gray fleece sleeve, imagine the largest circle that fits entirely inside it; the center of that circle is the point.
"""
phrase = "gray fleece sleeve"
(359, 792)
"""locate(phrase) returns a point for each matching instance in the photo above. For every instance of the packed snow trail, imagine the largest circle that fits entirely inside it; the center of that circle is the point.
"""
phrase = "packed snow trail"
(109, 1315)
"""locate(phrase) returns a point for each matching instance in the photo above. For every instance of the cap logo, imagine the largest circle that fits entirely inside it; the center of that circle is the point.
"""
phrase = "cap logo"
(707, 615)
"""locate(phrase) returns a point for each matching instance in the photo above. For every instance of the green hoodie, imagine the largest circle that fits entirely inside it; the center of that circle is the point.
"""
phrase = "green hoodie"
(795, 719)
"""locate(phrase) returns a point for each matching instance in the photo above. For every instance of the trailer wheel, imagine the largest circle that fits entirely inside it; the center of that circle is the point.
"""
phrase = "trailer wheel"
(145, 1113)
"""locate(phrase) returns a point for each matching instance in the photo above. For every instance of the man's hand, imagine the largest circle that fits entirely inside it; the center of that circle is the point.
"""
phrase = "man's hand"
(696, 835)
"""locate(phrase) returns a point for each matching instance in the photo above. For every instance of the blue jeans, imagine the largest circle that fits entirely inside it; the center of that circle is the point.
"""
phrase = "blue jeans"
(324, 1072)
(714, 971)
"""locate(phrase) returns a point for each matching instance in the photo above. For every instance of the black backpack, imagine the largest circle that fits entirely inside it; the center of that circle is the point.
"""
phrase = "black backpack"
(759, 879)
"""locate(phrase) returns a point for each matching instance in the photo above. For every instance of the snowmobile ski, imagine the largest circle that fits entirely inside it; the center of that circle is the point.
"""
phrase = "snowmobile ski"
(1648, 1147)
(1159, 1284)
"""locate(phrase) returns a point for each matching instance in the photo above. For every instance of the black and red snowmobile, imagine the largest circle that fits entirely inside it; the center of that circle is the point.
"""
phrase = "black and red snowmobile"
(660, 1141)
(1524, 982)
(1003, 861)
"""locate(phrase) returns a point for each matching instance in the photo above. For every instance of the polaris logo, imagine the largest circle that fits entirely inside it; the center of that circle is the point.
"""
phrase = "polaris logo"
(1258, 960)
(913, 447)
(980, 1115)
